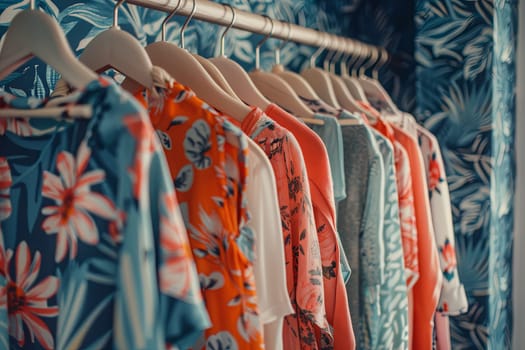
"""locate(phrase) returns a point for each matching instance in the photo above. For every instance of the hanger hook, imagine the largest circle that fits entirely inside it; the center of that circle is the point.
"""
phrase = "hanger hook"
(356, 52)
(316, 54)
(32, 5)
(185, 24)
(115, 12)
(361, 57)
(328, 59)
(373, 56)
(383, 59)
(336, 58)
(280, 47)
(344, 60)
(258, 47)
(223, 35)
(165, 22)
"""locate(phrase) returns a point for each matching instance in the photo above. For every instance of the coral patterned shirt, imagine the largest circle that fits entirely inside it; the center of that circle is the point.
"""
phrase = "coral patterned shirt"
(207, 159)
(320, 180)
(304, 269)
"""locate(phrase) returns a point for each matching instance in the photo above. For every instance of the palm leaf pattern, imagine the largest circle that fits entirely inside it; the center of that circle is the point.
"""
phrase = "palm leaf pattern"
(465, 90)
(464, 52)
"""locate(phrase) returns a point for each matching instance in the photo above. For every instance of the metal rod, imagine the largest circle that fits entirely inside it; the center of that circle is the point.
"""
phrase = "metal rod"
(213, 12)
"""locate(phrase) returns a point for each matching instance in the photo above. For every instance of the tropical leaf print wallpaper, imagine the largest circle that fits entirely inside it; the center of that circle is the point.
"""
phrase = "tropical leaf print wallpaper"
(451, 64)
(465, 79)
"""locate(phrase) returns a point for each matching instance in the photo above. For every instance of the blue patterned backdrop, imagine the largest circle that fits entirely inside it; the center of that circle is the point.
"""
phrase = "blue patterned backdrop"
(465, 79)
(452, 64)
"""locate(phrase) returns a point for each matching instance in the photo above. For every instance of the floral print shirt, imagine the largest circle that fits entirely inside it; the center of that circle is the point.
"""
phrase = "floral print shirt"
(453, 299)
(319, 177)
(304, 269)
(207, 159)
(94, 252)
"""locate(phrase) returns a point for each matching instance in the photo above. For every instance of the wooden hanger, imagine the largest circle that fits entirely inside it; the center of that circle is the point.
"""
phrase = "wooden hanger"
(77, 112)
(297, 82)
(236, 76)
(320, 81)
(216, 74)
(34, 33)
(278, 90)
(185, 68)
(117, 49)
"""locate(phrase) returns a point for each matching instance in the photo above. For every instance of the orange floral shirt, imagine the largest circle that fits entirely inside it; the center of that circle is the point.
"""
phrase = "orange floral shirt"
(206, 155)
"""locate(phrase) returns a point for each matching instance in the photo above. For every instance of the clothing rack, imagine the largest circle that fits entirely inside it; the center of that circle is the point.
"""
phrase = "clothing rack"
(222, 14)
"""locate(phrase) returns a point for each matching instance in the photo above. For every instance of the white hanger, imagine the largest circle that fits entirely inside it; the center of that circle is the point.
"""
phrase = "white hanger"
(117, 49)
(185, 68)
(77, 112)
(320, 81)
(278, 90)
(297, 82)
(34, 33)
(352, 83)
(216, 74)
(236, 76)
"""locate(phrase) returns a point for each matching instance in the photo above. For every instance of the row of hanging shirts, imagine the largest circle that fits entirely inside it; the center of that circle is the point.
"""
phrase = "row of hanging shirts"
(200, 206)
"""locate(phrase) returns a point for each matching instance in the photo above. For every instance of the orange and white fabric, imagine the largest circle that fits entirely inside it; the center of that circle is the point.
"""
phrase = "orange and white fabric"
(270, 266)
(302, 253)
(207, 155)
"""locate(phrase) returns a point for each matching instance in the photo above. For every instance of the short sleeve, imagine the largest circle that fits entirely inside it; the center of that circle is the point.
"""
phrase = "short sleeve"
(155, 241)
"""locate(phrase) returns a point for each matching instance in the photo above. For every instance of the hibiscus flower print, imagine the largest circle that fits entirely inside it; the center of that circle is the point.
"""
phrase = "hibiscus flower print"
(197, 144)
(434, 176)
(176, 274)
(449, 256)
(70, 218)
(144, 150)
(27, 301)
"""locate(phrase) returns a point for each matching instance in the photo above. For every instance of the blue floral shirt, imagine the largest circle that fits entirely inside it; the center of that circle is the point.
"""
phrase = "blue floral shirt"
(94, 253)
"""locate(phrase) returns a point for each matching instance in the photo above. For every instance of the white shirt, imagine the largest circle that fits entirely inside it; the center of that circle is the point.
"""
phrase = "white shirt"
(270, 273)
